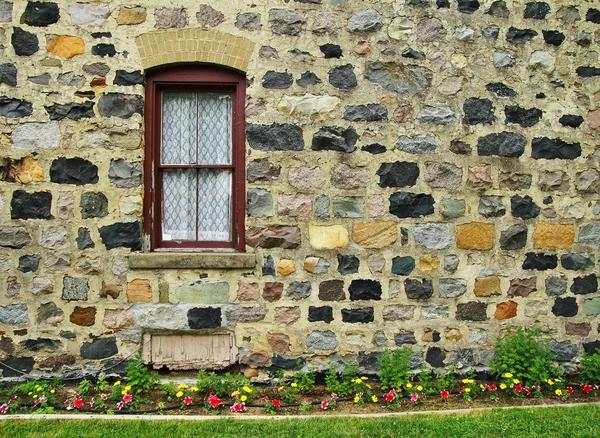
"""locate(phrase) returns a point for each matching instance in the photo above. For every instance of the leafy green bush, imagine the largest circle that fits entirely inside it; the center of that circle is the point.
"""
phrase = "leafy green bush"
(342, 383)
(140, 378)
(591, 368)
(527, 356)
(305, 381)
(446, 380)
(221, 385)
(394, 370)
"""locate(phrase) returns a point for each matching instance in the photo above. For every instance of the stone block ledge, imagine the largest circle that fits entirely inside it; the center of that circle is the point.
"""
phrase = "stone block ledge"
(192, 261)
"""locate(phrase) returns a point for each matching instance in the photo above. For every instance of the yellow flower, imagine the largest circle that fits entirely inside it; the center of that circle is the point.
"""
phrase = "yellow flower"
(243, 398)
(193, 388)
(503, 386)
(179, 394)
(125, 392)
(234, 394)
(515, 381)
(557, 380)
(549, 382)
(374, 399)
(117, 383)
(127, 388)
(481, 385)
(52, 391)
(467, 389)
(558, 392)
(281, 388)
(364, 378)
(419, 388)
(34, 396)
(356, 399)
(409, 385)
(183, 386)
(294, 385)
(507, 375)
(368, 386)
(247, 389)
(29, 393)
(39, 388)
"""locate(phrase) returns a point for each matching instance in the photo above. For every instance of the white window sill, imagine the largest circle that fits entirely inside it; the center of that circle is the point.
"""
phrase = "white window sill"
(191, 260)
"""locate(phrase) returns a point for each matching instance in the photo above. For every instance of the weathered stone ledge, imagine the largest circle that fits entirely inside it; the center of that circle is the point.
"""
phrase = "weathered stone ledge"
(192, 261)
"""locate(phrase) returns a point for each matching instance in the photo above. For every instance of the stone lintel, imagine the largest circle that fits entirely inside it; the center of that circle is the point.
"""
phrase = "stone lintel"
(160, 260)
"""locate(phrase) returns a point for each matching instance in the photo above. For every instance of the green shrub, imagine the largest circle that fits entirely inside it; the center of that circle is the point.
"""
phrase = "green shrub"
(446, 380)
(305, 381)
(526, 356)
(221, 385)
(394, 370)
(591, 368)
(140, 378)
(343, 383)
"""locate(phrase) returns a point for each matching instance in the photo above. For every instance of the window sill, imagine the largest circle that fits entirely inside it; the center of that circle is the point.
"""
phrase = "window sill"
(192, 261)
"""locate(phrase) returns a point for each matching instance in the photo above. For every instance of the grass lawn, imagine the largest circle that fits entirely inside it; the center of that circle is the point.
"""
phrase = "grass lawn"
(583, 421)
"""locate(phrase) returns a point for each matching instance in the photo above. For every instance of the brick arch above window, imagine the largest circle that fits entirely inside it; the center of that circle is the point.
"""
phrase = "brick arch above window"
(194, 45)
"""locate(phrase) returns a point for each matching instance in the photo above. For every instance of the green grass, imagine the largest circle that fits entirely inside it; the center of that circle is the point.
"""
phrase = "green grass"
(583, 421)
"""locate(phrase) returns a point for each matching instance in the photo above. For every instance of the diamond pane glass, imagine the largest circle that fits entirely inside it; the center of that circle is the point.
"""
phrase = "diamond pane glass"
(179, 215)
(178, 128)
(214, 206)
(214, 128)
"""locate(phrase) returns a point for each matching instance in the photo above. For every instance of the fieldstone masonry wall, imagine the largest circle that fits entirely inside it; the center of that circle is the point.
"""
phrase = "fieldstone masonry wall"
(419, 172)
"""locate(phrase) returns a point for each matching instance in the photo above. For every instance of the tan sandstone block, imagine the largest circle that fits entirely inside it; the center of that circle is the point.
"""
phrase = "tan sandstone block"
(328, 237)
(553, 235)
(375, 234)
(475, 235)
(506, 310)
(128, 16)
(139, 291)
(487, 286)
(286, 267)
(66, 46)
(427, 264)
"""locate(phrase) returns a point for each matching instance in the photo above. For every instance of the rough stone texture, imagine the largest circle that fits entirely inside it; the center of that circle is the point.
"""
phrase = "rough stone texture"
(209, 17)
(75, 171)
(365, 21)
(443, 175)
(83, 14)
(275, 137)
(285, 22)
(487, 286)
(99, 348)
(332, 290)
(522, 287)
(475, 235)
(514, 237)
(321, 341)
(553, 235)
(505, 144)
(170, 18)
(284, 237)
(404, 204)
(375, 234)
(432, 236)
(403, 79)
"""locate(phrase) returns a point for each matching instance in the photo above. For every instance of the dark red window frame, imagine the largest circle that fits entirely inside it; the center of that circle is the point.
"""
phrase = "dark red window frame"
(202, 78)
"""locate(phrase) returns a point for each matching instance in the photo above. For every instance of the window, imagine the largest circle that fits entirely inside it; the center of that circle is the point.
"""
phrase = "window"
(194, 179)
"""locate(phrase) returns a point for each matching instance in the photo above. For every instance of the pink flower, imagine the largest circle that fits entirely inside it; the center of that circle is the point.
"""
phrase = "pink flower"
(187, 400)
(389, 397)
(104, 396)
(78, 403)
(444, 394)
(4, 408)
(325, 404)
(238, 407)
(92, 402)
(120, 405)
(570, 390)
(423, 395)
(276, 403)
(414, 397)
(127, 398)
(334, 396)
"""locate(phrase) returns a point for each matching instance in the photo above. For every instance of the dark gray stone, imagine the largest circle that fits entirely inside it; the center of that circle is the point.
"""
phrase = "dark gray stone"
(268, 267)
(121, 235)
(366, 113)
(398, 174)
(75, 171)
(413, 54)
(593, 16)
(520, 36)
(348, 206)
(23, 42)
(405, 204)
(277, 80)
(452, 288)
(67, 335)
(124, 174)
(491, 206)
(471, 311)
(514, 237)
(565, 307)
(479, 111)
(442, 4)
(585, 285)
(93, 204)
(347, 264)
(403, 265)
(285, 362)
(275, 137)
(307, 79)
(358, 316)
(374, 148)
(104, 49)
(403, 79)
(34, 205)
(343, 77)
(17, 366)
(460, 148)
(331, 51)
(332, 290)
(435, 357)
(365, 21)
(40, 80)
(14, 108)
(73, 111)
(418, 290)
(500, 90)
(523, 207)
(521, 116)
(259, 203)
(49, 313)
(417, 145)
(84, 240)
(120, 105)
(367, 362)
(587, 72)
(536, 10)
(335, 139)
(99, 348)
(8, 74)
(284, 22)
(75, 289)
(29, 263)
(498, 9)
(553, 37)
(577, 262)
(96, 69)
(556, 286)
(41, 344)
(404, 338)
(320, 314)
(298, 290)
(248, 21)
(571, 120)
(204, 317)
(490, 33)
(540, 261)
(127, 78)
(554, 148)
(40, 14)
(591, 347)
(365, 290)
(563, 351)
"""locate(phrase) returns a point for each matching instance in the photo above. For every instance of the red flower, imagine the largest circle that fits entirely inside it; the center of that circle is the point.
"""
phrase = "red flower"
(519, 388)
(238, 407)
(214, 401)
(444, 394)
(493, 387)
(187, 400)
(127, 398)
(570, 390)
(324, 404)
(4, 408)
(276, 403)
(78, 403)
(389, 397)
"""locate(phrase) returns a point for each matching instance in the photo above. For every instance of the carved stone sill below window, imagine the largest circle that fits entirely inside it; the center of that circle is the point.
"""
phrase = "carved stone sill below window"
(192, 261)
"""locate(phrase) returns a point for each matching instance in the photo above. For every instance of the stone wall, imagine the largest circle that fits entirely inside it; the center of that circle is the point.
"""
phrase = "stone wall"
(419, 172)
